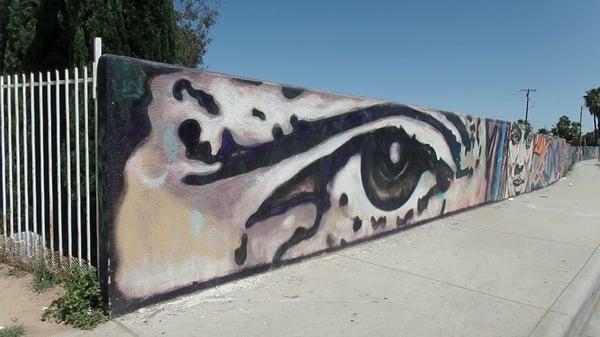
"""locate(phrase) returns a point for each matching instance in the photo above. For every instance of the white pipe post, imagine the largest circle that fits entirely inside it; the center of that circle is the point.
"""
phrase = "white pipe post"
(77, 165)
(42, 160)
(33, 152)
(97, 54)
(58, 166)
(25, 158)
(10, 157)
(87, 166)
(49, 144)
(68, 158)
(18, 149)
(4, 227)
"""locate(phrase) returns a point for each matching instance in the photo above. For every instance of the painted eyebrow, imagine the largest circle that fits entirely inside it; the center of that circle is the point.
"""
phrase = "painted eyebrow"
(238, 159)
(205, 100)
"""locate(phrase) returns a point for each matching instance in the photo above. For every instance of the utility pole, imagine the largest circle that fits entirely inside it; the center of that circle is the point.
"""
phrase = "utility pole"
(580, 126)
(527, 91)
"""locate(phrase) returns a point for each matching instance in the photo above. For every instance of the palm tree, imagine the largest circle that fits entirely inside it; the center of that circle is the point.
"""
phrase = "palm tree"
(592, 102)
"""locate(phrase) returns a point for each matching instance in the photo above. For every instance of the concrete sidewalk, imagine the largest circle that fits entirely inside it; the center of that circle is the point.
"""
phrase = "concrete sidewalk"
(522, 267)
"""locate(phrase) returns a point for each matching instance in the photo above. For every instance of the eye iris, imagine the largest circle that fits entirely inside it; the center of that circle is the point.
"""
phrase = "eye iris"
(395, 152)
(390, 173)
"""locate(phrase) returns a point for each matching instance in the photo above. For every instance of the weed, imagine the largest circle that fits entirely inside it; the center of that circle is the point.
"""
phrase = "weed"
(81, 304)
(43, 278)
(13, 331)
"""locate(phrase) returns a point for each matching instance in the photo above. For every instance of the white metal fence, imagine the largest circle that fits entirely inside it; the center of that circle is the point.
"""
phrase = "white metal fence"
(48, 131)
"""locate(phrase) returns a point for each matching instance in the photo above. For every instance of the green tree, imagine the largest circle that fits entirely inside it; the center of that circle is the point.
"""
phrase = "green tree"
(592, 102)
(567, 129)
(19, 33)
(151, 29)
(53, 34)
(3, 18)
(589, 139)
(543, 131)
(194, 20)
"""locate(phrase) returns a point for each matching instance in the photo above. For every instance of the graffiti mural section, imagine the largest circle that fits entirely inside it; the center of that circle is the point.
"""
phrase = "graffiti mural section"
(205, 177)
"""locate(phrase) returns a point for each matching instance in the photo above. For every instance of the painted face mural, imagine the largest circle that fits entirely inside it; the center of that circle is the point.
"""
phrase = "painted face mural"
(519, 159)
(205, 176)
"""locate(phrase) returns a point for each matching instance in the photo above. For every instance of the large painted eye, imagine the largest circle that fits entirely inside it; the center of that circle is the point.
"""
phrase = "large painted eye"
(391, 165)
(515, 135)
(398, 173)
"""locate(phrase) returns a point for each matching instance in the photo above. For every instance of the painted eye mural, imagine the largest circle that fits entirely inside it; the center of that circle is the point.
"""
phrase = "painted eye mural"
(233, 174)
(205, 177)
(372, 146)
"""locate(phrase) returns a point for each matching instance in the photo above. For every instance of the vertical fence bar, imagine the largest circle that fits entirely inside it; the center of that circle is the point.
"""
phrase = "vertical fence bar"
(77, 165)
(10, 156)
(97, 55)
(50, 176)
(68, 158)
(87, 166)
(4, 227)
(33, 159)
(58, 165)
(42, 160)
(25, 158)
(18, 148)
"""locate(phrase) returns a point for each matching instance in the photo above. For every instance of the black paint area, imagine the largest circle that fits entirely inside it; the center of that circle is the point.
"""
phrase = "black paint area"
(462, 130)
(240, 253)
(376, 223)
(291, 92)
(330, 240)
(443, 180)
(259, 114)
(357, 224)
(343, 200)
(189, 133)
(204, 99)
(277, 133)
(246, 81)
(401, 222)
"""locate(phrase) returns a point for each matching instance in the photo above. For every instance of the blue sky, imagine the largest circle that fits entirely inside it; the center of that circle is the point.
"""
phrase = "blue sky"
(462, 56)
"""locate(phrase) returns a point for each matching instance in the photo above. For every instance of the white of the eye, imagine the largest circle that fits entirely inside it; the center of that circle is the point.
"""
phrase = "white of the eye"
(395, 152)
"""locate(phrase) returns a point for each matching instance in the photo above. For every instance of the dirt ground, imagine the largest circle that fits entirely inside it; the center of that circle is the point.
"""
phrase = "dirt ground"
(19, 304)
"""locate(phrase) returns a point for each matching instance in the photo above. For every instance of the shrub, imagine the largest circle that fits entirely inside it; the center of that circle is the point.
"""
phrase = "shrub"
(13, 331)
(81, 305)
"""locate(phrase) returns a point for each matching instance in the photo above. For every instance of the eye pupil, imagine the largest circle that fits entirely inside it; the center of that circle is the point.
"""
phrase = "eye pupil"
(395, 152)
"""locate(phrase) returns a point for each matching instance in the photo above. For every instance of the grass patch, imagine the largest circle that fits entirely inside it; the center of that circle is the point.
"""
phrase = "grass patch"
(13, 331)
(81, 306)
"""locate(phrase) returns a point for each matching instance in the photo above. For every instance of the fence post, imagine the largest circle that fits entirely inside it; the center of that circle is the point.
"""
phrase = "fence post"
(4, 227)
(97, 54)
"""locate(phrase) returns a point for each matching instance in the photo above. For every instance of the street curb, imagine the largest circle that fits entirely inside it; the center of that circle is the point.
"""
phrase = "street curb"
(570, 312)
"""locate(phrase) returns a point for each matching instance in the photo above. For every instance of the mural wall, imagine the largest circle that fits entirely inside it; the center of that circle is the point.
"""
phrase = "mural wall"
(205, 177)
